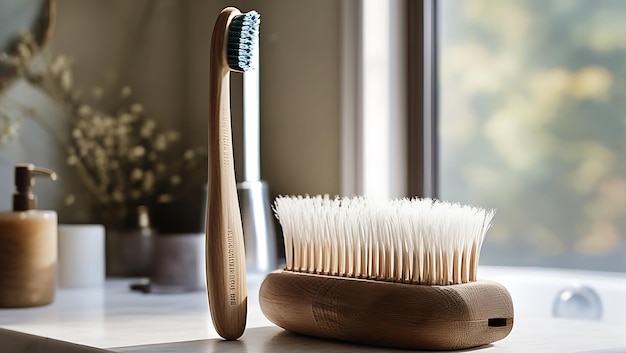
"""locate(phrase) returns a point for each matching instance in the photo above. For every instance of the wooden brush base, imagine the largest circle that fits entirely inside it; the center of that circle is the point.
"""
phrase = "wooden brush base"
(388, 314)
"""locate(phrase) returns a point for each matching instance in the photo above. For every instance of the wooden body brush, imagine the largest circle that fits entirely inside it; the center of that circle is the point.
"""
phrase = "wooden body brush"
(396, 273)
(232, 46)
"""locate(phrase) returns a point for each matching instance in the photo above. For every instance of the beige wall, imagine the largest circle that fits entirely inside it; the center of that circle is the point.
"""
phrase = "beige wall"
(161, 48)
(300, 107)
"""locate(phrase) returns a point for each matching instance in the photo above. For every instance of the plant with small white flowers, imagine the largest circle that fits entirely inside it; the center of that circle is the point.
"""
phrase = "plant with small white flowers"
(122, 157)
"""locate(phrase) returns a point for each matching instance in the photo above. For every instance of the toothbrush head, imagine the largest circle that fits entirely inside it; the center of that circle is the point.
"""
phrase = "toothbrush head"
(243, 36)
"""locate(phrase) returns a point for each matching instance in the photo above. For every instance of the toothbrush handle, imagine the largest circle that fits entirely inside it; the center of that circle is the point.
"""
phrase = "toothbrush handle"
(225, 255)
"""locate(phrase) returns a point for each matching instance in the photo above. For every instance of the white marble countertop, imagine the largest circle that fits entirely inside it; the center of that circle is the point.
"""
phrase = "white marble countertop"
(115, 316)
(114, 319)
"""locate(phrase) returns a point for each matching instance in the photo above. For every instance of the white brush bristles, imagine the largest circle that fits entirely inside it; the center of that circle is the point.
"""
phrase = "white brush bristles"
(418, 241)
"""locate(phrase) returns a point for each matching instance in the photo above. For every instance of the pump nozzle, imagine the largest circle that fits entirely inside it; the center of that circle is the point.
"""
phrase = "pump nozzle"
(23, 198)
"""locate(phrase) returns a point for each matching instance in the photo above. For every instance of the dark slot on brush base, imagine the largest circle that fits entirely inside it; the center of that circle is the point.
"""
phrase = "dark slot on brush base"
(496, 322)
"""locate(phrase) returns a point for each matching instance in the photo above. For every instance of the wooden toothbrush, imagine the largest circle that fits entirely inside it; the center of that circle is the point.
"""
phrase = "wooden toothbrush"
(232, 46)
(398, 273)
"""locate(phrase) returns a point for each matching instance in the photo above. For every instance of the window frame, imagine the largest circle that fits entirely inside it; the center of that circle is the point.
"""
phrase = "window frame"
(374, 98)
(412, 165)
(422, 88)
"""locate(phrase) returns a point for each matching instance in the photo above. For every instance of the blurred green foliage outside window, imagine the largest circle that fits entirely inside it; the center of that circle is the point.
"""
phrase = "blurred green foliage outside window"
(532, 122)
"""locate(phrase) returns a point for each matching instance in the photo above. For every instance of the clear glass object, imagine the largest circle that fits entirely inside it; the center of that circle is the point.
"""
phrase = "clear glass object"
(138, 245)
(578, 302)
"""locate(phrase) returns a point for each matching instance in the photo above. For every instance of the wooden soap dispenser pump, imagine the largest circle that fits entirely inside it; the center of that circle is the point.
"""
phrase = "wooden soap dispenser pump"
(28, 245)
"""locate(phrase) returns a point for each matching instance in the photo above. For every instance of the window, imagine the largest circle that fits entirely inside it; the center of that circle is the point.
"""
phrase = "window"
(531, 114)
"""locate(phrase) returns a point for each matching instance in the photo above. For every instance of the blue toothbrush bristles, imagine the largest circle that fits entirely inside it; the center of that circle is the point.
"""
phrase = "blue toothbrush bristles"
(242, 37)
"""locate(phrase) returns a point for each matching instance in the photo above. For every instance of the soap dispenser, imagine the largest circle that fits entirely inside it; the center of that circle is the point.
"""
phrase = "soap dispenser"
(28, 245)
